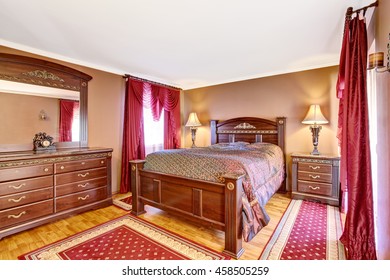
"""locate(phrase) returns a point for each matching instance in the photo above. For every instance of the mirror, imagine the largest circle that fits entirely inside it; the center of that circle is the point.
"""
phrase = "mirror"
(41, 96)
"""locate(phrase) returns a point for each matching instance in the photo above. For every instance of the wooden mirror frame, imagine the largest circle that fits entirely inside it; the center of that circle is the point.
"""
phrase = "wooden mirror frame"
(23, 69)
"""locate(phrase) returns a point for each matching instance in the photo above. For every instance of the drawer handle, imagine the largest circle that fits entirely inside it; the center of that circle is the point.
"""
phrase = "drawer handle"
(16, 187)
(102, 162)
(315, 167)
(16, 200)
(314, 188)
(46, 169)
(83, 198)
(83, 185)
(83, 175)
(16, 216)
(314, 176)
(83, 163)
(62, 167)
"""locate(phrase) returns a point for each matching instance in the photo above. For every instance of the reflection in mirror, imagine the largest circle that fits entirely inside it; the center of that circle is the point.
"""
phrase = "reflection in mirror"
(28, 109)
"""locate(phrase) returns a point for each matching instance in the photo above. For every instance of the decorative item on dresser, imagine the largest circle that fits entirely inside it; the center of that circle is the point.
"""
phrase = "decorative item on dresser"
(43, 142)
(316, 177)
(36, 188)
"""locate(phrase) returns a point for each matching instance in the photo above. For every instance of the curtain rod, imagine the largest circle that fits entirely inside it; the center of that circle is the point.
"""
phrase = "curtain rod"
(151, 82)
(350, 10)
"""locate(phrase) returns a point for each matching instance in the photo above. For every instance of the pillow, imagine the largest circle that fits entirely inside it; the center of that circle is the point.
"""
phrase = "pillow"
(232, 145)
(239, 143)
(260, 145)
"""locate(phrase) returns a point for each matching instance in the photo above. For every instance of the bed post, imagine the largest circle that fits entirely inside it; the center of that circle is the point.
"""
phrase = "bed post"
(281, 125)
(137, 206)
(233, 215)
(213, 131)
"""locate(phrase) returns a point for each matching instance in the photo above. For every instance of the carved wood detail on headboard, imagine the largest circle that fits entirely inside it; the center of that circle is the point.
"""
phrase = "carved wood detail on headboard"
(250, 129)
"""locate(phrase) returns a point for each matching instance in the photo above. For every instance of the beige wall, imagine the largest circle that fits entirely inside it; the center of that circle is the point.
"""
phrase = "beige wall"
(105, 112)
(286, 95)
(105, 117)
(19, 117)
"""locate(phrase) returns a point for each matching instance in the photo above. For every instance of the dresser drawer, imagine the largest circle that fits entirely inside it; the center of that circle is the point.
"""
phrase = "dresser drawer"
(79, 165)
(315, 177)
(79, 199)
(25, 172)
(23, 198)
(82, 175)
(24, 213)
(314, 167)
(80, 186)
(315, 188)
(25, 185)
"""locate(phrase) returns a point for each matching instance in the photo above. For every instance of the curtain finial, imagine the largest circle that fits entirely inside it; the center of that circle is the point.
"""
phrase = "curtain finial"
(349, 13)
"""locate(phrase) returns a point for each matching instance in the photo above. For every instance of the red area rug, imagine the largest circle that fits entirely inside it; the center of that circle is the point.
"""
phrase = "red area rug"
(307, 231)
(125, 238)
(124, 202)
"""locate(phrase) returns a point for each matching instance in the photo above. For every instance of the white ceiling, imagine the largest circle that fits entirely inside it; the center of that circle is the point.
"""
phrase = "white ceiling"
(183, 43)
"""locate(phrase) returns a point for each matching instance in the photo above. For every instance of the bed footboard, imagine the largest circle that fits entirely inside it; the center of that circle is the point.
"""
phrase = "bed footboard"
(212, 204)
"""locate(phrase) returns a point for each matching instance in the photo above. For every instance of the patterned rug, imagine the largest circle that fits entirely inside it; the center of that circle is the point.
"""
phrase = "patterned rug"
(125, 238)
(307, 231)
(123, 202)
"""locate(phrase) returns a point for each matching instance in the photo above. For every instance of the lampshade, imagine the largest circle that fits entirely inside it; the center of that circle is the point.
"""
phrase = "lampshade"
(314, 116)
(375, 60)
(193, 120)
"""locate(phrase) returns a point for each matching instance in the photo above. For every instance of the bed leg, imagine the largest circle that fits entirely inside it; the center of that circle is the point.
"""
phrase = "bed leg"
(138, 206)
(233, 215)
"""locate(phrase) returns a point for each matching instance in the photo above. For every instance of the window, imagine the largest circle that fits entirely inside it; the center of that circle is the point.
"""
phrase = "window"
(154, 132)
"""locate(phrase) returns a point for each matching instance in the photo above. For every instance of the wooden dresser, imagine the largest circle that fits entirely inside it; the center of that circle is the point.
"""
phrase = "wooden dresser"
(36, 188)
(316, 177)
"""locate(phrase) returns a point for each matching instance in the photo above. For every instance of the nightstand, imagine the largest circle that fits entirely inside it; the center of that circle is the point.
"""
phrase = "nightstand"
(316, 177)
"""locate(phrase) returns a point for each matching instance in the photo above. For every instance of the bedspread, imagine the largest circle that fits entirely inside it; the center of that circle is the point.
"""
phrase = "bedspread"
(262, 164)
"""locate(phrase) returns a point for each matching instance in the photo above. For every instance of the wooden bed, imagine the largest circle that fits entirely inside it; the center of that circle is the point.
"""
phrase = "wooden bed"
(212, 204)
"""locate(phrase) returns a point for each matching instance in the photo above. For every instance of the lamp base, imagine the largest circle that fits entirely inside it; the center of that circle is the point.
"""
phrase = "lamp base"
(315, 132)
(315, 152)
(193, 136)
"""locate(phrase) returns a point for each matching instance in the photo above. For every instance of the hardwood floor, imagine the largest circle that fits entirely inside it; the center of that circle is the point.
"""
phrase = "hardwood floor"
(13, 246)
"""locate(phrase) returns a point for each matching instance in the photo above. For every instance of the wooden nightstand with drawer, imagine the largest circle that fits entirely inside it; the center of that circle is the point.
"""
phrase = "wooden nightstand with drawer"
(316, 177)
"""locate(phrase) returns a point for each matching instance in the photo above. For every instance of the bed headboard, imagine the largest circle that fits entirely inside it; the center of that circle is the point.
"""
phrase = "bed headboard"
(249, 129)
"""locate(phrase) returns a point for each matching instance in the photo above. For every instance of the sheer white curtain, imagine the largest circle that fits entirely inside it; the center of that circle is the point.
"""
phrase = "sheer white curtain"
(154, 132)
(76, 125)
(373, 131)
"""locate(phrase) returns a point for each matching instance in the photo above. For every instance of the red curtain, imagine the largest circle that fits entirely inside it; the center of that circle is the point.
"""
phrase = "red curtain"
(158, 98)
(67, 108)
(138, 95)
(172, 128)
(355, 168)
(167, 99)
(133, 145)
